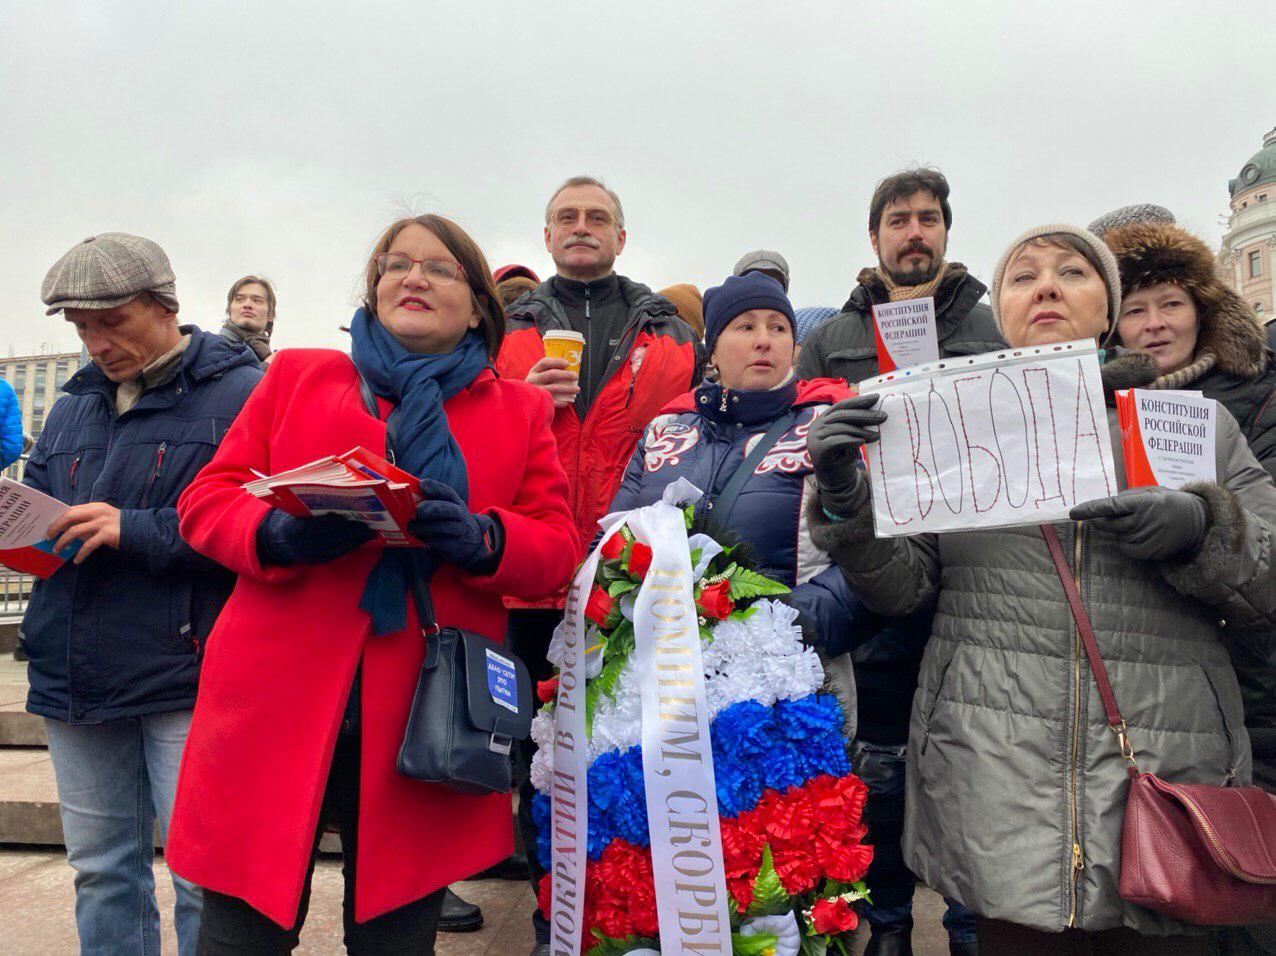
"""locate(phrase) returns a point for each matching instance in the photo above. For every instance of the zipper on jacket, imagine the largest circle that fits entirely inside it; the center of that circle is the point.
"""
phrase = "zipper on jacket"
(155, 473)
(75, 467)
(723, 406)
(1074, 827)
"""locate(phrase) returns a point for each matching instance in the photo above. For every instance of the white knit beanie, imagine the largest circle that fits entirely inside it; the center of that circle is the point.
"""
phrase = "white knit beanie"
(1103, 255)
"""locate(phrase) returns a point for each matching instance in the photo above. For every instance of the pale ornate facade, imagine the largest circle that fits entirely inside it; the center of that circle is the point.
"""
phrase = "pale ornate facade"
(1248, 253)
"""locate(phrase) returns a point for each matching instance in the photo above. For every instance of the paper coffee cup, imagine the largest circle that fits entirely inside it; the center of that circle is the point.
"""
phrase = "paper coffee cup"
(565, 345)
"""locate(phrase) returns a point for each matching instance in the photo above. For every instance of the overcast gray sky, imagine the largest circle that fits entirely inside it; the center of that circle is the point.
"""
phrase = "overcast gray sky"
(280, 137)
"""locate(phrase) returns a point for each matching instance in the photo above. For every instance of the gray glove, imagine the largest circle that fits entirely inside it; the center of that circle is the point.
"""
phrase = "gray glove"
(1150, 524)
(834, 442)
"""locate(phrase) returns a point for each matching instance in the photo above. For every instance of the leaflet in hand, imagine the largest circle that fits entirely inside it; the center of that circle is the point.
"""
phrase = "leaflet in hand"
(358, 485)
(1168, 437)
(25, 516)
(905, 333)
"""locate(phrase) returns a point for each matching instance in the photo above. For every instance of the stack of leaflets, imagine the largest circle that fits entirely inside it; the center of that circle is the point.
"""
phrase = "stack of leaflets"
(25, 516)
(357, 485)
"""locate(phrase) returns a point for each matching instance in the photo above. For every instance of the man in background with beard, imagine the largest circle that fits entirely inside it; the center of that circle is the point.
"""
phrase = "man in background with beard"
(909, 221)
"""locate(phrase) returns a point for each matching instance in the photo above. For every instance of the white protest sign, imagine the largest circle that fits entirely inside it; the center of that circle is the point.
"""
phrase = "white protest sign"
(1013, 437)
(905, 333)
(1168, 437)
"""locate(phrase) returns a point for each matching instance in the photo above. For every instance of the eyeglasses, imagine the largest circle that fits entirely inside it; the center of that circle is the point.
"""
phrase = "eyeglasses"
(594, 218)
(397, 265)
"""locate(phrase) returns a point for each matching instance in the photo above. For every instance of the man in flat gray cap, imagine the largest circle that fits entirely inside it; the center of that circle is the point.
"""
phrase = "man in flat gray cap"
(767, 262)
(115, 636)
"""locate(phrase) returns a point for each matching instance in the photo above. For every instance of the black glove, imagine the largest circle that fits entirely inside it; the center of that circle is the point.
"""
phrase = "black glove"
(444, 522)
(284, 539)
(1150, 524)
(834, 443)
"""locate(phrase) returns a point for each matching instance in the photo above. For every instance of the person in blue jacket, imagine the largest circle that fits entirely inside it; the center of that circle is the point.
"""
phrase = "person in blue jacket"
(11, 437)
(115, 636)
(750, 416)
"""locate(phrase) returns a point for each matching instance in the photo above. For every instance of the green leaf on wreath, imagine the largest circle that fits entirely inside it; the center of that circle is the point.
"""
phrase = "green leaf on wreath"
(814, 946)
(621, 641)
(770, 898)
(604, 683)
(759, 945)
(607, 946)
(617, 588)
(746, 584)
(689, 515)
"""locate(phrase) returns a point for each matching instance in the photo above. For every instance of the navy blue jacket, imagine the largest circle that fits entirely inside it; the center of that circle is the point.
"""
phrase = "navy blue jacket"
(121, 635)
(704, 436)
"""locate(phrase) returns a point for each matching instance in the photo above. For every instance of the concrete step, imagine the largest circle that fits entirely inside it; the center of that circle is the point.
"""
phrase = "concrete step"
(28, 798)
(17, 727)
(9, 634)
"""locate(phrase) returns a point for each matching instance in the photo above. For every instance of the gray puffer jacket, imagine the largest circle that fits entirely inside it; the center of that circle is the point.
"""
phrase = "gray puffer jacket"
(1016, 788)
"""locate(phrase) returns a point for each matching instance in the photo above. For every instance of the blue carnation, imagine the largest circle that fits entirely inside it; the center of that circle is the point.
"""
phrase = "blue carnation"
(755, 748)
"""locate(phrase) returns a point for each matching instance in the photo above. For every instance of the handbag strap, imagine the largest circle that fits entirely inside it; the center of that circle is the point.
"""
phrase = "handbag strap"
(722, 504)
(1097, 667)
(420, 593)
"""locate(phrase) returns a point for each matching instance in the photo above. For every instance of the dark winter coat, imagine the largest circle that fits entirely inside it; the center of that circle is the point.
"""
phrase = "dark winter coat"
(703, 437)
(843, 347)
(122, 634)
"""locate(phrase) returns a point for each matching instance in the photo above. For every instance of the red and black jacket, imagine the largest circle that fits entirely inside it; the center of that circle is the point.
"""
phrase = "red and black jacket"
(658, 358)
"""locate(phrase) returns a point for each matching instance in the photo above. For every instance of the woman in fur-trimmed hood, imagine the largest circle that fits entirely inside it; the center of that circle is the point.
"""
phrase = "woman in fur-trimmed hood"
(1203, 335)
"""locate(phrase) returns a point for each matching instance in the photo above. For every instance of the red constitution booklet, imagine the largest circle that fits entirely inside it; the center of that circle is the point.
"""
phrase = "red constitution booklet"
(359, 485)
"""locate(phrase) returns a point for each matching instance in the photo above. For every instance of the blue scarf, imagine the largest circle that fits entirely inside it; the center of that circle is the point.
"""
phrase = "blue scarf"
(423, 444)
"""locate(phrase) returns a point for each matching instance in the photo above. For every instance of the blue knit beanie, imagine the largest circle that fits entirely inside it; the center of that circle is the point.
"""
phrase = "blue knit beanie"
(737, 294)
(807, 319)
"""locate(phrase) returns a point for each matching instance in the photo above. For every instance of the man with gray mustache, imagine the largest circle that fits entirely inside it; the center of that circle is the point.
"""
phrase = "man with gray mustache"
(638, 356)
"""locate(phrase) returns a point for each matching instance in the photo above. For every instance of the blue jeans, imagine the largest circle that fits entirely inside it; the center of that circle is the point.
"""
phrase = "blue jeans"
(114, 780)
(881, 767)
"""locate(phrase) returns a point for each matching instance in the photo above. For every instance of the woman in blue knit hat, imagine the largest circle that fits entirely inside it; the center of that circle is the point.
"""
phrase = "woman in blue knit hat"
(750, 416)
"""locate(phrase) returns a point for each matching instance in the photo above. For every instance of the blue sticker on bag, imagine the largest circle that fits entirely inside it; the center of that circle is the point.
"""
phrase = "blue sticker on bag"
(502, 681)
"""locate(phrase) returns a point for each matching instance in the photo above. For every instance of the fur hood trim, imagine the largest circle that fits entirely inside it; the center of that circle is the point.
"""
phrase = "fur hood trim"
(1150, 253)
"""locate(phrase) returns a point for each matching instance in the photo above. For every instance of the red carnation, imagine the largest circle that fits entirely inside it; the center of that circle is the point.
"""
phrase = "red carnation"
(639, 559)
(714, 601)
(829, 917)
(613, 547)
(546, 689)
(599, 607)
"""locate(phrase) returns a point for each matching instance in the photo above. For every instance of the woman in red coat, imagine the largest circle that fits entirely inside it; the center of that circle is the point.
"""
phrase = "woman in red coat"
(310, 670)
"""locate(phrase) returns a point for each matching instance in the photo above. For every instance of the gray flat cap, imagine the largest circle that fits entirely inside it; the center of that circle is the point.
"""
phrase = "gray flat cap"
(1127, 215)
(108, 270)
(763, 260)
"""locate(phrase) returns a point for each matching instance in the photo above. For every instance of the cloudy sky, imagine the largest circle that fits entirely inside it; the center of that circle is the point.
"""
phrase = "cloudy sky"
(279, 137)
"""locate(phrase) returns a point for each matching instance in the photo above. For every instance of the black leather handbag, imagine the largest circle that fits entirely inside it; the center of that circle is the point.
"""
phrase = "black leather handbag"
(472, 702)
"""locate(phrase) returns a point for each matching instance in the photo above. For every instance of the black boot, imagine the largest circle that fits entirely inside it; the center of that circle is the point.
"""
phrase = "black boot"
(540, 949)
(458, 916)
(896, 941)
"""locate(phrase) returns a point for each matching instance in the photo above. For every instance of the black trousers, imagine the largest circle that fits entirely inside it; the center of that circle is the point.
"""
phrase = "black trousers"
(999, 938)
(528, 635)
(231, 926)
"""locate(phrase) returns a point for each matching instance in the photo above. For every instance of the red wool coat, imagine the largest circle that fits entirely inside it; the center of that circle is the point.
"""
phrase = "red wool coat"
(280, 662)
